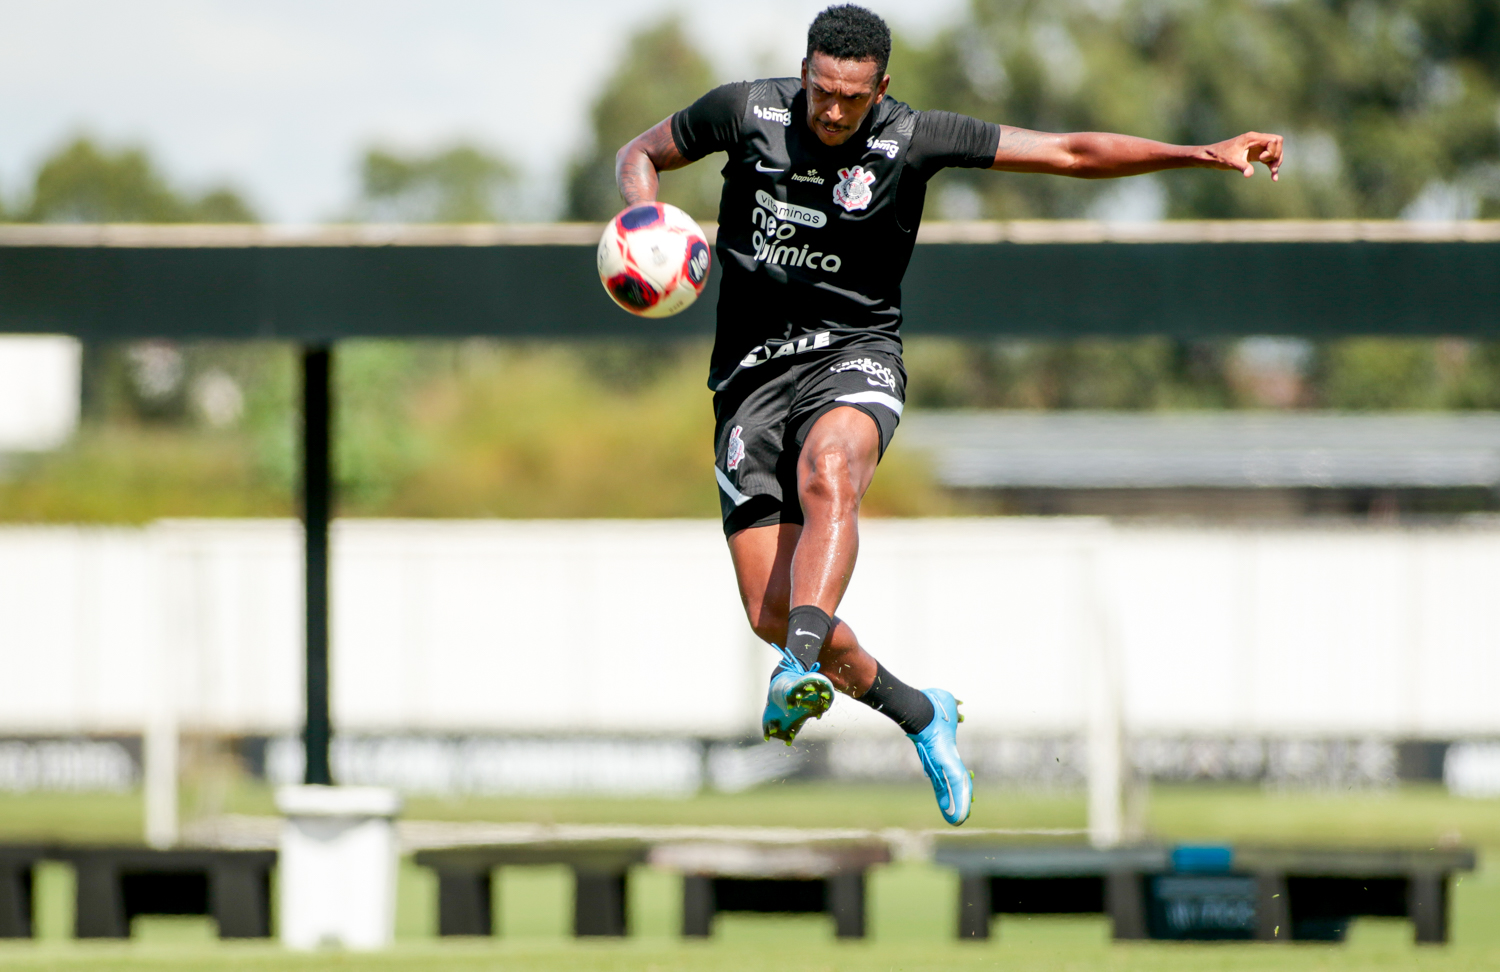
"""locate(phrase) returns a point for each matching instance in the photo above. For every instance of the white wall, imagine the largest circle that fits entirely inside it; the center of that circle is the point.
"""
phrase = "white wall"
(635, 626)
(75, 616)
(39, 391)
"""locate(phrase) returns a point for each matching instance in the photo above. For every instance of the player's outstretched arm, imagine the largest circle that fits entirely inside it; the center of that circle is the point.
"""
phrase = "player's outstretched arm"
(1098, 155)
(641, 158)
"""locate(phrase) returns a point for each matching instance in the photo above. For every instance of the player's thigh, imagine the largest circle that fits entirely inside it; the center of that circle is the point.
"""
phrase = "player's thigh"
(762, 558)
(843, 441)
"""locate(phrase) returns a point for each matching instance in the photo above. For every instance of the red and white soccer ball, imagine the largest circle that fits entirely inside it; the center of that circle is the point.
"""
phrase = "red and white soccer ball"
(653, 259)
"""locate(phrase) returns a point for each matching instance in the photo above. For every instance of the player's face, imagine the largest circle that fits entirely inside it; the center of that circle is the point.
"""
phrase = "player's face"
(839, 95)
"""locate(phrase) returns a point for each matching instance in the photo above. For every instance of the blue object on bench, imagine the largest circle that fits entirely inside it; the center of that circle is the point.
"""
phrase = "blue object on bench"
(1202, 859)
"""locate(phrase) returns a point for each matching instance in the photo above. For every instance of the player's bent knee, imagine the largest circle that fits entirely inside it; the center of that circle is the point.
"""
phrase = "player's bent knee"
(828, 485)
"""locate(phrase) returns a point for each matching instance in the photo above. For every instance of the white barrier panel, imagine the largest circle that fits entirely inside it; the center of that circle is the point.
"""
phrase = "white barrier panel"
(1473, 769)
(40, 383)
(635, 627)
(448, 765)
(76, 612)
(540, 627)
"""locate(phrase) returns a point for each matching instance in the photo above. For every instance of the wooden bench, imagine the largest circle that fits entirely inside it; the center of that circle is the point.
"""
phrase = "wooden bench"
(772, 876)
(723, 868)
(600, 880)
(1316, 891)
(17, 880)
(115, 884)
(1193, 892)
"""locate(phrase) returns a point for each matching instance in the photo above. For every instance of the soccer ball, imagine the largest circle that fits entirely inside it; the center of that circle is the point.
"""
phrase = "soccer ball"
(653, 259)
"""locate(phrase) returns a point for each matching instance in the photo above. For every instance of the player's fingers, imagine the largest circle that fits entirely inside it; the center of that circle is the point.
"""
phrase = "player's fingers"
(1245, 154)
(1273, 155)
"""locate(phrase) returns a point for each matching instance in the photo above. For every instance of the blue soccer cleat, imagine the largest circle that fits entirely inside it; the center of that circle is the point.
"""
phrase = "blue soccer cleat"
(796, 694)
(937, 747)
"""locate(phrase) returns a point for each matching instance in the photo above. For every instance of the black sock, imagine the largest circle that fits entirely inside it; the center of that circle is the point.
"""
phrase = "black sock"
(893, 698)
(807, 627)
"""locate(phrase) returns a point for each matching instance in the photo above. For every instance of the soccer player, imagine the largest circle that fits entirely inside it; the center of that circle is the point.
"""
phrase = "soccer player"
(823, 192)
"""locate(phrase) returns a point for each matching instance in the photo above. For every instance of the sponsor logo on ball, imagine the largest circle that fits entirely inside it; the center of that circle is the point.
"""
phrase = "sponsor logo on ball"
(697, 267)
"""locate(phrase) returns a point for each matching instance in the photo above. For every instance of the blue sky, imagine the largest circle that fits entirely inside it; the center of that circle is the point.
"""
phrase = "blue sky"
(278, 97)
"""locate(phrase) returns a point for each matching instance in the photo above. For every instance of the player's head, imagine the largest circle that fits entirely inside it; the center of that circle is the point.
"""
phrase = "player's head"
(843, 74)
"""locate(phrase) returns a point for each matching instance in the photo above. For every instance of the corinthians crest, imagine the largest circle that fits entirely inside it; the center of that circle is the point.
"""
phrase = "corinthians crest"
(736, 449)
(853, 188)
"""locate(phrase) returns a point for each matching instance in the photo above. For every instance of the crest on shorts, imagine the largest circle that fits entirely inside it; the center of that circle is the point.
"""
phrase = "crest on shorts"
(736, 449)
(853, 188)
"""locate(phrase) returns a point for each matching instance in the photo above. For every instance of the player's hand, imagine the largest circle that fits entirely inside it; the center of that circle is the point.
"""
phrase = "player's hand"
(1239, 153)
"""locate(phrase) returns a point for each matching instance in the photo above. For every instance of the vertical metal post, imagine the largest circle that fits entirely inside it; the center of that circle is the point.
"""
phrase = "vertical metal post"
(1105, 731)
(317, 502)
(160, 736)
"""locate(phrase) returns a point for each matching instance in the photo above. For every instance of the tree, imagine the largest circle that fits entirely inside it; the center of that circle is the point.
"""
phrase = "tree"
(460, 184)
(660, 73)
(84, 183)
(1388, 105)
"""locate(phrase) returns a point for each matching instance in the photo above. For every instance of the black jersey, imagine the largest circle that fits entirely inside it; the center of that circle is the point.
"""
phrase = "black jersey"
(814, 240)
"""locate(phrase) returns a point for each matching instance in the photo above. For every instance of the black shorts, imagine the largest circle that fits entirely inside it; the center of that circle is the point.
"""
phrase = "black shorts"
(763, 417)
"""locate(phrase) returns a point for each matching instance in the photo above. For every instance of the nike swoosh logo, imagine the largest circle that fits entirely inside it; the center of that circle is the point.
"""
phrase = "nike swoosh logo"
(808, 633)
(761, 168)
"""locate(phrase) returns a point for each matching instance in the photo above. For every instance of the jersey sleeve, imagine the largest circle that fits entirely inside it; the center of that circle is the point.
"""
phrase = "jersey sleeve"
(712, 123)
(944, 139)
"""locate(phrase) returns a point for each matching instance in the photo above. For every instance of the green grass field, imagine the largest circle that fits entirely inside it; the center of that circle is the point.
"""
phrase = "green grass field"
(911, 905)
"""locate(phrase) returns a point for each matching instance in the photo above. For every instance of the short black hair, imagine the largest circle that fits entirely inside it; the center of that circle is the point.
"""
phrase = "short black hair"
(851, 33)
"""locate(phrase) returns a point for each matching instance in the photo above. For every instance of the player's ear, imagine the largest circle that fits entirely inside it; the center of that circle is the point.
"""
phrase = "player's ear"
(885, 82)
(804, 72)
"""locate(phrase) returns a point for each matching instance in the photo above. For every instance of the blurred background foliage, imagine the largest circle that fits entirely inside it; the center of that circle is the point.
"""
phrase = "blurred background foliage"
(659, 73)
(459, 184)
(83, 182)
(613, 429)
(1391, 107)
